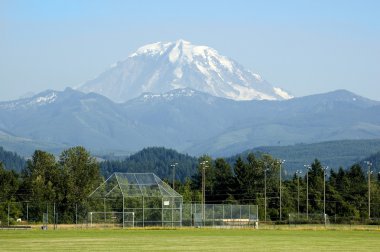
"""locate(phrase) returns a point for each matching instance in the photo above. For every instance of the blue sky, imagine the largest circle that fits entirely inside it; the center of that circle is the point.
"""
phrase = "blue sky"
(305, 47)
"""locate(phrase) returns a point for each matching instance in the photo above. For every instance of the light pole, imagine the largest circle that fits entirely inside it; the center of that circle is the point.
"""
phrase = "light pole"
(307, 190)
(265, 194)
(298, 172)
(324, 193)
(369, 172)
(281, 162)
(173, 166)
(204, 166)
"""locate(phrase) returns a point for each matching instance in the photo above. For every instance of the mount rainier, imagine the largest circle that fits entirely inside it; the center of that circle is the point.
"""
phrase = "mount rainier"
(184, 97)
(162, 67)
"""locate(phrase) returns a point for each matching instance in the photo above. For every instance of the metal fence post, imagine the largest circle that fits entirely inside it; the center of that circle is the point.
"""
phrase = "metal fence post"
(191, 214)
(181, 209)
(8, 213)
(162, 212)
(213, 215)
(54, 216)
(223, 214)
(240, 216)
(143, 213)
(105, 214)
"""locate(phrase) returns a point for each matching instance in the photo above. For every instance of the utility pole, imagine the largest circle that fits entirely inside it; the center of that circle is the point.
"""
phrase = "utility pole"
(265, 194)
(324, 193)
(281, 162)
(173, 166)
(203, 167)
(369, 172)
(298, 173)
(307, 190)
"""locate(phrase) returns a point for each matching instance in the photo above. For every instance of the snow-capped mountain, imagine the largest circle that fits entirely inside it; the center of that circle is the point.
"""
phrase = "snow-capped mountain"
(162, 67)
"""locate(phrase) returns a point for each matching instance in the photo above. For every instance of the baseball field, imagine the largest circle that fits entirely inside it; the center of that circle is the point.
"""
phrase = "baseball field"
(191, 239)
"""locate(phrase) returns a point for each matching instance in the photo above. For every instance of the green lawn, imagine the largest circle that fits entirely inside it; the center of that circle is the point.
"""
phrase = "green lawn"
(189, 240)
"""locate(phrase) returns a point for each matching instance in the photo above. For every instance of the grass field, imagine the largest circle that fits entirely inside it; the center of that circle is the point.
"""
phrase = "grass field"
(189, 240)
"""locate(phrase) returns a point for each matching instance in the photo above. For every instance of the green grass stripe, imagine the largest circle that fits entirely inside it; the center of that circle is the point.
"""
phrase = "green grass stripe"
(189, 240)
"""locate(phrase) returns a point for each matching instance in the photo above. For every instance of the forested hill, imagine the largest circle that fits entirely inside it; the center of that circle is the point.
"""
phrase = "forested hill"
(154, 159)
(334, 154)
(11, 160)
(375, 161)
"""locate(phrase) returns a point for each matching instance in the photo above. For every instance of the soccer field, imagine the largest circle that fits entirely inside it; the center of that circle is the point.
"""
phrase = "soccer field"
(189, 240)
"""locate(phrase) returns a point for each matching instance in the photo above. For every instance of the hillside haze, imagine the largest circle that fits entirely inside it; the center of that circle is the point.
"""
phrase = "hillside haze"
(184, 119)
(162, 67)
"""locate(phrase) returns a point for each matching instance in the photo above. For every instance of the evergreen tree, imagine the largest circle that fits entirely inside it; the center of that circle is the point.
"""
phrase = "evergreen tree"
(9, 184)
(316, 187)
(337, 205)
(356, 191)
(223, 181)
(240, 178)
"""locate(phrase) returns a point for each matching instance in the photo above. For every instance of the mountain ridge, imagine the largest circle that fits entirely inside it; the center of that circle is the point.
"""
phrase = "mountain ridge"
(186, 120)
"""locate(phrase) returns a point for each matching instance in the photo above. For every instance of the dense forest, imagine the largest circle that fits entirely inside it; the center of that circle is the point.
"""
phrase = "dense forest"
(254, 179)
(340, 153)
(11, 161)
(346, 190)
(334, 154)
(155, 159)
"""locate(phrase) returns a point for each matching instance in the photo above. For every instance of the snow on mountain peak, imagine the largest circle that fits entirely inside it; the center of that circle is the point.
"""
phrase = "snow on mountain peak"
(164, 66)
(184, 51)
(37, 100)
(151, 49)
(176, 93)
(45, 99)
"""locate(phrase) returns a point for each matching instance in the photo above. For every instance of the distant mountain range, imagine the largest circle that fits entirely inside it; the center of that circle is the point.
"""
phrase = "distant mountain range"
(184, 119)
(162, 67)
(185, 97)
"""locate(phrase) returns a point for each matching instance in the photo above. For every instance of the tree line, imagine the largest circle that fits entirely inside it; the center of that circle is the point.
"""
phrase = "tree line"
(44, 180)
(254, 179)
(341, 194)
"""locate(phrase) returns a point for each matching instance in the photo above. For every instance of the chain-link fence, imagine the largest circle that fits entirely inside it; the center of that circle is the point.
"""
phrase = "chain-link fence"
(163, 214)
(303, 218)
(219, 215)
(44, 213)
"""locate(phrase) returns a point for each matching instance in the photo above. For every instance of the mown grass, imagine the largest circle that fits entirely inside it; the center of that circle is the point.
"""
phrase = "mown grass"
(189, 240)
